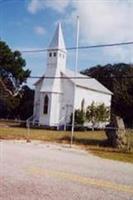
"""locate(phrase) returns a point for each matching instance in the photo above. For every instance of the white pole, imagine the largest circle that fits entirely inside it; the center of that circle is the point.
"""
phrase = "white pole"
(76, 65)
(77, 45)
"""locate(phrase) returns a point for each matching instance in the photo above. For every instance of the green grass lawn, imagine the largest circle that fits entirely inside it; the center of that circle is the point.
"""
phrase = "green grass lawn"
(90, 140)
(113, 155)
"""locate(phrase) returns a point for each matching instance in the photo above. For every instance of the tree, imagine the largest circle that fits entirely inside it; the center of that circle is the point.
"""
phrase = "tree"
(91, 113)
(119, 79)
(79, 117)
(94, 114)
(25, 108)
(97, 113)
(103, 113)
(12, 76)
(13, 63)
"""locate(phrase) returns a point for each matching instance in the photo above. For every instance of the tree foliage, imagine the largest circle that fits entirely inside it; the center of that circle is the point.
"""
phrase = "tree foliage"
(119, 79)
(12, 76)
(12, 62)
(79, 117)
(97, 113)
(25, 108)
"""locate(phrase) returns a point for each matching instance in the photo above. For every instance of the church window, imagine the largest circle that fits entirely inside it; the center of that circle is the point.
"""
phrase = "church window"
(54, 54)
(50, 54)
(82, 104)
(46, 101)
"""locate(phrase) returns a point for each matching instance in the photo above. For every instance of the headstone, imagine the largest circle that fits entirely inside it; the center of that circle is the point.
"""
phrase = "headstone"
(116, 133)
(119, 123)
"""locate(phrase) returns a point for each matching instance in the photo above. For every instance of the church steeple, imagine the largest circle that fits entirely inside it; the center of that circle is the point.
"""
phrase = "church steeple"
(58, 39)
(57, 51)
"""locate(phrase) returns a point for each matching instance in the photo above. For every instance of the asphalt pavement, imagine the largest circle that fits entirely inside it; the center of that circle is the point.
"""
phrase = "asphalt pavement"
(45, 171)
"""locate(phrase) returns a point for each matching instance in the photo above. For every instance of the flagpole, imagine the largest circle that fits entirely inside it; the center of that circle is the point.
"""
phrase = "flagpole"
(76, 66)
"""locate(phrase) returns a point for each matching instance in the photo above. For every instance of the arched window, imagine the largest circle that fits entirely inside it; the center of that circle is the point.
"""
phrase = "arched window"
(82, 104)
(46, 101)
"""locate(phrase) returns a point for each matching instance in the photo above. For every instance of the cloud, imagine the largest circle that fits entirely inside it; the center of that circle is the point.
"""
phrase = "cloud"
(58, 5)
(39, 30)
(119, 54)
(100, 22)
(105, 22)
(34, 6)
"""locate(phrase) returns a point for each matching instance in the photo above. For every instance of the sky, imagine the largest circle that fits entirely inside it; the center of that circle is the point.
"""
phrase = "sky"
(30, 25)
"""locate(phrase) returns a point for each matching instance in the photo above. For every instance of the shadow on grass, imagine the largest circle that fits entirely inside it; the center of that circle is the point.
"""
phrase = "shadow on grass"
(82, 141)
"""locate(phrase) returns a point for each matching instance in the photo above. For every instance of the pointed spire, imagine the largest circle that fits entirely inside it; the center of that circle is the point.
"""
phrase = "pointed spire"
(58, 39)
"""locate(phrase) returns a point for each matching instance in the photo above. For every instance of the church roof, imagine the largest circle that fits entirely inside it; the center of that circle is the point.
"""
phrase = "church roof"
(86, 82)
(81, 81)
(58, 39)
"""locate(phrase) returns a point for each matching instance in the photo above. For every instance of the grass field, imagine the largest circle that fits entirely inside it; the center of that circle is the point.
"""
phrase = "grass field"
(90, 140)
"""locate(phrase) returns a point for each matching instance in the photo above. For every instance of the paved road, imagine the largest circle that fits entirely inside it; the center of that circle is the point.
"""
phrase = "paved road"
(37, 171)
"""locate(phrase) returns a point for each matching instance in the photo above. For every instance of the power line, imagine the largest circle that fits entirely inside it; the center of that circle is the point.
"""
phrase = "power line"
(81, 47)
(72, 77)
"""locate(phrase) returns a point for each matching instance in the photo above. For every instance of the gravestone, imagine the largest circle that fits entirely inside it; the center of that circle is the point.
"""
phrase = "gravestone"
(116, 133)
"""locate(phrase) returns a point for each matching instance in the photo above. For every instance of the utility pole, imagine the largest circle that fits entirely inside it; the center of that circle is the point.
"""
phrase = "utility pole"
(76, 65)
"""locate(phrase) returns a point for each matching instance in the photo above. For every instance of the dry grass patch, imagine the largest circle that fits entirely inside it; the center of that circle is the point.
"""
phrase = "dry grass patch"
(91, 140)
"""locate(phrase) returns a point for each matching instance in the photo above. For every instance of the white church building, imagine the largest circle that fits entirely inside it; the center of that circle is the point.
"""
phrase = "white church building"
(58, 91)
